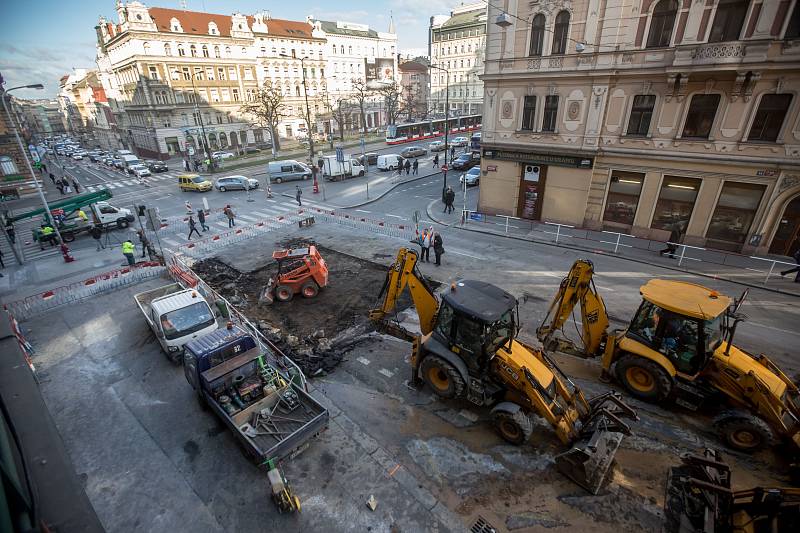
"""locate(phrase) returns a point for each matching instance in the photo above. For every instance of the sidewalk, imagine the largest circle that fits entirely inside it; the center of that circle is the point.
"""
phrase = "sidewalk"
(716, 264)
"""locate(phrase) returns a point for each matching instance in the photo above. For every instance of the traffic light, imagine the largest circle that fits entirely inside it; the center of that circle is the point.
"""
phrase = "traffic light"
(141, 209)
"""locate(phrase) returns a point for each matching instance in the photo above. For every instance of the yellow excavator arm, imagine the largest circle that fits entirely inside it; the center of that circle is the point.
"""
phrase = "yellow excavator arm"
(576, 288)
(403, 272)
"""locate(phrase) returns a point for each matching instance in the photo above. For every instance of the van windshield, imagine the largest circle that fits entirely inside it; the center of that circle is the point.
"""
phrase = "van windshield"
(198, 179)
(186, 320)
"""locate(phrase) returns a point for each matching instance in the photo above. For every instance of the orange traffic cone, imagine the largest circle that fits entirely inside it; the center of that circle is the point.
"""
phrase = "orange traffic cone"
(316, 185)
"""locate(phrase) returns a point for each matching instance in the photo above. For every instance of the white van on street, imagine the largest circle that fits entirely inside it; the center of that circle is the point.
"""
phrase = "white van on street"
(389, 161)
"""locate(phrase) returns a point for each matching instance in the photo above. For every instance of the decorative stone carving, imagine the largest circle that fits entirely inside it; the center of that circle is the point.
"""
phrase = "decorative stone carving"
(586, 60)
(556, 62)
(507, 110)
(534, 64)
(574, 110)
(788, 181)
(552, 90)
(718, 51)
(627, 58)
(709, 85)
(531, 90)
(506, 64)
(647, 85)
(748, 89)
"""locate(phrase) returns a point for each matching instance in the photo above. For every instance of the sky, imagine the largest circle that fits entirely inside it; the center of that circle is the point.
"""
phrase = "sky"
(42, 40)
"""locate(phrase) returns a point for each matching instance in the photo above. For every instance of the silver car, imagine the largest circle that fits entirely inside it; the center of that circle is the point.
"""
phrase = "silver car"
(471, 177)
(232, 183)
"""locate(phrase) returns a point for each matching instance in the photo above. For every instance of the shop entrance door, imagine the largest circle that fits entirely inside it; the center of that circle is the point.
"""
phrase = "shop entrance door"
(786, 238)
(531, 191)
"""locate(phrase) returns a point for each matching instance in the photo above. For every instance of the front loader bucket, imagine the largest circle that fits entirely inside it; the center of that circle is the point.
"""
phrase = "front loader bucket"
(266, 297)
(588, 461)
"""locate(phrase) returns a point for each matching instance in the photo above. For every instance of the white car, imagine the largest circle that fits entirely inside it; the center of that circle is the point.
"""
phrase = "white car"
(221, 155)
(77, 157)
(471, 177)
(140, 171)
(459, 141)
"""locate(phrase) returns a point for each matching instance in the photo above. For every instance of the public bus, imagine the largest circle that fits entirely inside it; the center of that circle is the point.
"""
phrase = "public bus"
(428, 129)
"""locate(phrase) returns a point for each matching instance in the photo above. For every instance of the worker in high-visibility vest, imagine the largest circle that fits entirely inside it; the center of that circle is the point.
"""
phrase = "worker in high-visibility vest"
(82, 216)
(128, 250)
(47, 234)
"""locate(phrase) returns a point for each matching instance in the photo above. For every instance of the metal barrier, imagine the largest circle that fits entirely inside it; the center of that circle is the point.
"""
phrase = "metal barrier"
(180, 271)
(51, 299)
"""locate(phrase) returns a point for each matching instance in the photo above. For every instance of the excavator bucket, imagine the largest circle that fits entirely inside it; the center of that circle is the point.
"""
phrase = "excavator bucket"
(589, 460)
(266, 297)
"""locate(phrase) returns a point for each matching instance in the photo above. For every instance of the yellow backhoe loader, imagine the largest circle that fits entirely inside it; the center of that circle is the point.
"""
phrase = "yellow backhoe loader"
(468, 349)
(679, 347)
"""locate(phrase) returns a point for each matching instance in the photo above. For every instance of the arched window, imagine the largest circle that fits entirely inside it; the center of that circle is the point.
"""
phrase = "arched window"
(728, 20)
(349, 50)
(661, 24)
(537, 36)
(334, 48)
(205, 51)
(297, 90)
(227, 51)
(7, 166)
(560, 33)
(146, 47)
(193, 51)
(181, 50)
(167, 49)
(223, 140)
(341, 49)
(216, 52)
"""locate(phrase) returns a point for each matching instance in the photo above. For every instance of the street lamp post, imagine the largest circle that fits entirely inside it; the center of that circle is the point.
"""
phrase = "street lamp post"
(308, 120)
(38, 185)
(446, 124)
(202, 126)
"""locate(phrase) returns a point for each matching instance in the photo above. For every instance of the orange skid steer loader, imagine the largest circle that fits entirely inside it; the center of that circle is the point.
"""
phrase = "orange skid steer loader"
(300, 271)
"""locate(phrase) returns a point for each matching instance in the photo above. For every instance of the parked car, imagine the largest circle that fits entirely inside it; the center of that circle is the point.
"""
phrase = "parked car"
(140, 171)
(413, 151)
(437, 146)
(119, 163)
(389, 161)
(466, 161)
(194, 182)
(109, 161)
(77, 156)
(221, 155)
(156, 166)
(287, 170)
(459, 141)
(231, 183)
(371, 157)
(252, 150)
(471, 177)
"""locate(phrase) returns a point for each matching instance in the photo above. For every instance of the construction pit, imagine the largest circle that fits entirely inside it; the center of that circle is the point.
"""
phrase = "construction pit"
(449, 447)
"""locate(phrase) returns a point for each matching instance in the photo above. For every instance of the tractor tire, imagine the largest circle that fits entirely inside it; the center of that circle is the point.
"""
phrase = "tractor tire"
(283, 293)
(442, 377)
(643, 378)
(68, 236)
(309, 289)
(515, 428)
(743, 431)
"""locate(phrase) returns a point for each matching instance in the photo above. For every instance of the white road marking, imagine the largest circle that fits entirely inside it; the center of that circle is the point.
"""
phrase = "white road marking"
(363, 360)
(395, 216)
(387, 373)
(260, 214)
(170, 242)
(363, 211)
(457, 252)
(247, 218)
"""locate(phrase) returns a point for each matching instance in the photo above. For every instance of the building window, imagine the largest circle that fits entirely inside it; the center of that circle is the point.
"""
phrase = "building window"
(641, 114)
(767, 123)
(181, 51)
(675, 202)
(728, 20)
(210, 73)
(235, 94)
(537, 36)
(198, 74)
(216, 52)
(550, 112)
(167, 50)
(153, 70)
(205, 51)
(214, 95)
(529, 113)
(700, 117)
(193, 50)
(175, 74)
(8, 166)
(232, 74)
(560, 32)
(661, 24)
(220, 73)
(227, 51)
(623, 197)
(793, 29)
(735, 211)
(187, 75)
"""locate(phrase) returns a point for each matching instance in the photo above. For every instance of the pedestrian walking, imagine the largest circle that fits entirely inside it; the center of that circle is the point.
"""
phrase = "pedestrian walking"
(2, 264)
(192, 228)
(128, 250)
(407, 166)
(796, 257)
(415, 167)
(60, 186)
(201, 218)
(426, 245)
(297, 194)
(438, 248)
(145, 242)
(449, 198)
(452, 153)
(321, 163)
(231, 217)
(97, 235)
(76, 185)
(12, 236)
(436, 160)
(674, 239)
(52, 178)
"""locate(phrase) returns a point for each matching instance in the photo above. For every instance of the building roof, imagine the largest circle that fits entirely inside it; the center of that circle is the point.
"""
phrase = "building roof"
(196, 23)
(464, 19)
(416, 65)
(334, 27)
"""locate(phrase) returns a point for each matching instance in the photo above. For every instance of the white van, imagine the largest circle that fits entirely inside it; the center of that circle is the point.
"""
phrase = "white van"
(389, 161)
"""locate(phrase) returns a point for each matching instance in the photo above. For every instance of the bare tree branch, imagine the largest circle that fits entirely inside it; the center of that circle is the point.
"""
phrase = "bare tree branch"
(266, 110)
(339, 106)
(392, 100)
(361, 94)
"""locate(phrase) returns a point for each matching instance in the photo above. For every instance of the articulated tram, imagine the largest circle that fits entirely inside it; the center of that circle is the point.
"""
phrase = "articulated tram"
(417, 131)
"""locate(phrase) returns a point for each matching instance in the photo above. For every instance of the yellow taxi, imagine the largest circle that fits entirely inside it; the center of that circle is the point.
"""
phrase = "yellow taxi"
(194, 182)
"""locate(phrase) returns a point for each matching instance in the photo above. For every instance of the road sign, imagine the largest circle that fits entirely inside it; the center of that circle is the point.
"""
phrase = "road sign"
(444, 168)
(340, 154)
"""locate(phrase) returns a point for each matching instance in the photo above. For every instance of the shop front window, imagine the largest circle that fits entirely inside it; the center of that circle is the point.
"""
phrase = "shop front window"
(735, 212)
(623, 197)
(675, 202)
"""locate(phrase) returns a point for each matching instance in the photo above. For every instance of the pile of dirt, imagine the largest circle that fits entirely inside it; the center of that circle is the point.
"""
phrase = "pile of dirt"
(314, 332)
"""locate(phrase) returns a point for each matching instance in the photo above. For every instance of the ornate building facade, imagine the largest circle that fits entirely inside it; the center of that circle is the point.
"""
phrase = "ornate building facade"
(640, 116)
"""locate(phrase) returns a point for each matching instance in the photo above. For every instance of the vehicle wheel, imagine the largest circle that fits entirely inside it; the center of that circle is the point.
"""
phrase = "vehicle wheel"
(122, 223)
(222, 189)
(306, 177)
(391, 167)
(283, 293)
(309, 289)
(68, 236)
(643, 378)
(360, 173)
(278, 180)
(442, 377)
(515, 428)
(743, 431)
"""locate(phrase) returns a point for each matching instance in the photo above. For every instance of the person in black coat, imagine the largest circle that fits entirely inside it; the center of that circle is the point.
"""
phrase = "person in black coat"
(201, 218)
(192, 227)
(674, 238)
(407, 166)
(438, 248)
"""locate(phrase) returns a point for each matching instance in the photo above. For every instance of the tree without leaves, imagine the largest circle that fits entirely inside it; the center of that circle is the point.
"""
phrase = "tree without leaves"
(266, 110)
(392, 101)
(409, 95)
(339, 107)
(361, 94)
